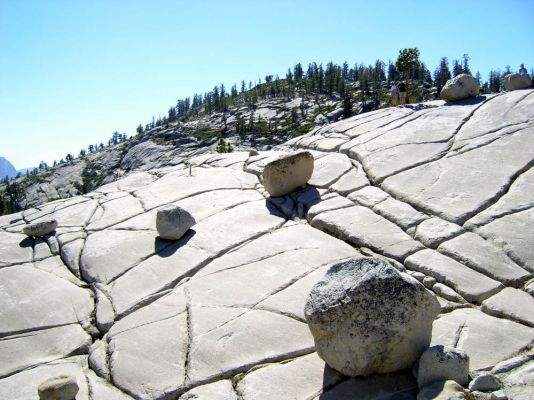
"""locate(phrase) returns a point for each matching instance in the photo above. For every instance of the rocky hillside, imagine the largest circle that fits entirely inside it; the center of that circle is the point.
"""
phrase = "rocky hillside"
(442, 191)
(262, 125)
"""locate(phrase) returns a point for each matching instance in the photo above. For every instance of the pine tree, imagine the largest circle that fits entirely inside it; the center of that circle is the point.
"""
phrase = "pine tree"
(465, 64)
(456, 68)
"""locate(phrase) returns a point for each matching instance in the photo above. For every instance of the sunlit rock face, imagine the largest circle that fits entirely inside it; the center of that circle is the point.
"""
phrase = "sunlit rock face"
(441, 192)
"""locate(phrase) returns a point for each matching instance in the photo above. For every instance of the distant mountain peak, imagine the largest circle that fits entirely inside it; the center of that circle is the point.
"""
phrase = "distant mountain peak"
(6, 168)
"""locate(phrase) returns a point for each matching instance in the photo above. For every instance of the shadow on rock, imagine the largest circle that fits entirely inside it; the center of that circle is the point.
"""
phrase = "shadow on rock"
(399, 385)
(166, 248)
(26, 242)
(467, 102)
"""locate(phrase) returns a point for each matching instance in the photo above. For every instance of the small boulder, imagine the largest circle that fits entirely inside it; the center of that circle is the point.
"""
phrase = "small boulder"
(517, 82)
(288, 173)
(448, 390)
(61, 387)
(366, 317)
(40, 229)
(441, 363)
(172, 222)
(460, 87)
(485, 382)
(253, 152)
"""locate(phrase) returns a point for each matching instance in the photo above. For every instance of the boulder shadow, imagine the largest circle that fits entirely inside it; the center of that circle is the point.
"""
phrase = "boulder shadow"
(307, 196)
(400, 385)
(467, 102)
(166, 248)
(26, 242)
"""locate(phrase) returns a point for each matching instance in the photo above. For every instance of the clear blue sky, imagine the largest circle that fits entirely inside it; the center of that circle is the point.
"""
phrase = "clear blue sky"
(72, 72)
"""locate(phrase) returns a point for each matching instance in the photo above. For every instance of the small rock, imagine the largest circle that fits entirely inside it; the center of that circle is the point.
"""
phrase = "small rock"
(485, 383)
(517, 82)
(429, 281)
(499, 395)
(253, 152)
(448, 390)
(289, 172)
(172, 222)
(62, 387)
(366, 317)
(440, 363)
(40, 229)
(460, 87)
(447, 293)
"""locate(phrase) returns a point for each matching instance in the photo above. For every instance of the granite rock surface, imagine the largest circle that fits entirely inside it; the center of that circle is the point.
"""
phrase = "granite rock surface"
(439, 190)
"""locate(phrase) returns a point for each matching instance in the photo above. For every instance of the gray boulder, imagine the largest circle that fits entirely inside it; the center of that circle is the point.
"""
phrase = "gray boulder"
(40, 229)
(366, 317)
(485, 382)
(517, 82)
(172, 222)
(62, 387)
(441, 363)
(253, 152)
(460, 87)
(287, 173)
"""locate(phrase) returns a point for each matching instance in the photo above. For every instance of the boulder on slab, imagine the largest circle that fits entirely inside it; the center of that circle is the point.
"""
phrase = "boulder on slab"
(485, 382)
(172, 222)
(40, 229)
(253, 152)
(441, 363)
(366, 317)
(517, 82)
(61, 387)
(460, 87)
(288, 173)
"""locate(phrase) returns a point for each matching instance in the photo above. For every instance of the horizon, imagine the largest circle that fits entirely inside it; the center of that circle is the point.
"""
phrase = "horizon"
(75, 73)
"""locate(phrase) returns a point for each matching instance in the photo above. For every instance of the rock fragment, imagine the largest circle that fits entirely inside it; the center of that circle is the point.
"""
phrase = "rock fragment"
(460, 87)
(287, 173)
(448, 390)
(366, 317)
(517, 82)
(442, 363)
(62, 387)
(172, 222)
(40, 229)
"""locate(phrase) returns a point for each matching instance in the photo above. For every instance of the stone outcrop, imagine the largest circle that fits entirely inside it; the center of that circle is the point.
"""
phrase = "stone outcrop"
(460, 87)
(367, 318)
(517, 82)
(172, 222)
(41, 228)
(287, 173)
(221, 311)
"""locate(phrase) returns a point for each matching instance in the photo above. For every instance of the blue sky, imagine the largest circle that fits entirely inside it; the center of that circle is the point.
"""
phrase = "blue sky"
(72, 72)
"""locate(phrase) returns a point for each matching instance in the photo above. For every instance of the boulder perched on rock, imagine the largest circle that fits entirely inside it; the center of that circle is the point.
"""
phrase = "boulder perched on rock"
(485, 382)
(287, 173)
(62, 387)
(172, 222)
(517, 81)
(366, 317)
(460, 87)
(40, 229)
(442, 363)
(253, 152)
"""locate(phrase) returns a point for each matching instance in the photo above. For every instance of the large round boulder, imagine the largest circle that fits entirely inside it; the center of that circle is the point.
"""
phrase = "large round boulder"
(517, 82)
(366, 317)
(288, 173)
(40, 229)
(460, 87)
(172, 222)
